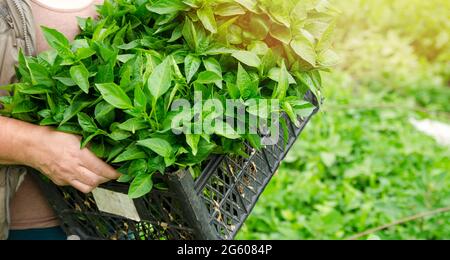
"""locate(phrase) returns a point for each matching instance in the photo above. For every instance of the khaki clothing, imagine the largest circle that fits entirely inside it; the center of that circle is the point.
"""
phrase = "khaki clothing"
(17, 32)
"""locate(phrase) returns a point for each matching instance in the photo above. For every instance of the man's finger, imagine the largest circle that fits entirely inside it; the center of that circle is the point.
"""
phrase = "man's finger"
(81, 186)
(99, 167)
(89, 178)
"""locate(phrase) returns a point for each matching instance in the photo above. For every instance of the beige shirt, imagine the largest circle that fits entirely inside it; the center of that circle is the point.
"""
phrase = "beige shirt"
(61, 15)
(29, 208)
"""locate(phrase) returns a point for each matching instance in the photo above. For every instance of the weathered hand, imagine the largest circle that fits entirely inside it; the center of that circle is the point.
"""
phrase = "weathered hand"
(58, 156)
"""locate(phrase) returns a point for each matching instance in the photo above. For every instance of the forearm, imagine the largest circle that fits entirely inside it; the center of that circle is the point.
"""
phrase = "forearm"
(55, 154)
(16, 141)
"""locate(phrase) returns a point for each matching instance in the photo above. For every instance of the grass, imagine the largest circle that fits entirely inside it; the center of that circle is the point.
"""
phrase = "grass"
(360, 165)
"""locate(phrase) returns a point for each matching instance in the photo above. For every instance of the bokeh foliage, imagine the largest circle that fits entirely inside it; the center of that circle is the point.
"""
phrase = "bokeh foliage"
(360, 164)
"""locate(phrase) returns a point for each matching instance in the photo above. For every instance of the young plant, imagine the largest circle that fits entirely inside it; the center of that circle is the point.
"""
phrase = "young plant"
(116, 83)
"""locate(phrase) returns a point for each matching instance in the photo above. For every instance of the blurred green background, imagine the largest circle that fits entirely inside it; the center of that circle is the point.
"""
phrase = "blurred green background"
(360, 164)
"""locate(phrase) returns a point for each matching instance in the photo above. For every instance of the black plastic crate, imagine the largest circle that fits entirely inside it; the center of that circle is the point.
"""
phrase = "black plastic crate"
(212, 207)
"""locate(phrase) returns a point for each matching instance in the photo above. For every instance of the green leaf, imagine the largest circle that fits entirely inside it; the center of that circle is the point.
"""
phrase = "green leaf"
(104, 114)
(274, 74)
(208, 77)
(247, 86)
(269, 61)
(105, 73)
(104, 29)
(157, 145)
(229, 9)
(232, 88)
(140, 99)
(234, 34)
(328, 58)
(80, 75)
(211, 64)
(225, 130)
(283, 83)
(281, 33)
(303, 47)
(280, 13)
(131, 45)
(190, 34)
(285, 128)
(191, 65)
(141, 185)
(131, 153)
(248, 58)
(204, 151)
(24, 107)
(260, 27)
(160, 80)
(193, 3)
(124, 58)
(124, 178)
(192, 141)
(177, 33)
(57, 41)
(24, 68)
(115, 150)
(261, 109)
(66, 81)
(137, 166)
(133, 125)
(302, 108)
(169, 161)
(290, 112)
(326, 38)
(77, 106)
(114, 95)
(206, 16)
(87, 123)
(88, 139)
(48, 56)
(254, 140)
(259, 48)
(249, 4)
(106, 52)
(167, 6)
(79, 44)
(308, 82)
(157, 164)
(84, 53)
(34, 90)
(119, 135)
(70, 128)
(45, 113)
(33, 71)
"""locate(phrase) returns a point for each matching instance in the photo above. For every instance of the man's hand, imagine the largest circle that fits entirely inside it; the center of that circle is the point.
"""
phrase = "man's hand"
(55, 154)
(58, 155)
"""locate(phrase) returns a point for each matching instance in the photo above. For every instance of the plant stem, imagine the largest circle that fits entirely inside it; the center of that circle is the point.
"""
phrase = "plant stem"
(400, 222)
(331, 108)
